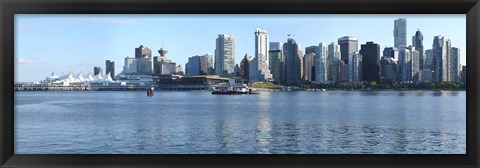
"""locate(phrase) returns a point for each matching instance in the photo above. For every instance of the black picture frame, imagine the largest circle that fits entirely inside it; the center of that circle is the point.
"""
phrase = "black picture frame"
(9, 8)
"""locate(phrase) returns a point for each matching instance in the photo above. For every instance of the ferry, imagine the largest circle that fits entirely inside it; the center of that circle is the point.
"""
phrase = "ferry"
(232, 88)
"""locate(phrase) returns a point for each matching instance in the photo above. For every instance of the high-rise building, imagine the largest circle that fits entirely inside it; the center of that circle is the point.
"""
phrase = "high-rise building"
(454, 65)
(333, 55)
(253, 70)
(293, 61)
(309, 66)
(144, 65)
(338, 71)
(348, 46)
(130, 65)
(311, 49)
(225, 55)
(408, 66)
(275, 46)
(321, 63)
(276, 64)
(441, 56)
(199, 65)
(388, 69)
(428, 64)
(425, 75)
(404, 64)
(110, 68)
(97, 70)
(244, 67)
(206, 64)
(415, 56)
(370, 61)
(193, 66)
(261, 53)
(355, 70)
(400, 32)
(142, 51)
(417, 42)
(464, 74)
(391, 52)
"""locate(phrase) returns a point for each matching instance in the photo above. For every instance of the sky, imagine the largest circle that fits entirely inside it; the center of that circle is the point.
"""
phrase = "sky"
(60, 43)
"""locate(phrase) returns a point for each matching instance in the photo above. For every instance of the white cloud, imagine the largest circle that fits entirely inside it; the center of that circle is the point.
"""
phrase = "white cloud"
(24, 61)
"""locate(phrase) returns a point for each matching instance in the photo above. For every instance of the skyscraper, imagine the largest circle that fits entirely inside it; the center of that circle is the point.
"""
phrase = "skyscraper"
(130, 65)
(415, 56)
(308, 66)
(370, 61)
(275, 46)
(355, 69)
(199, 65)
(321, 63)
(276, 64)
(225, 55)
(97, 70)
(441, 55)
(244, 67)
(417, 42)
(390, 52)
(142, 51)
(404, 64)
(388, 69)
(428, 64)
(110, 68)
(261, 53)
(193, 66)
(293, 61)
(333, 55)
(348, 46)
(454, 64)
(400, 32)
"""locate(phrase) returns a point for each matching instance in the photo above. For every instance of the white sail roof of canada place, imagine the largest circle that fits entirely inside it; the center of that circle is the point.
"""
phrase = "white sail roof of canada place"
(89, 77)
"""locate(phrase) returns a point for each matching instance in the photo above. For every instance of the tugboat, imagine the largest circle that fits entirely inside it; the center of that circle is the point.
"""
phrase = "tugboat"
(231, 88)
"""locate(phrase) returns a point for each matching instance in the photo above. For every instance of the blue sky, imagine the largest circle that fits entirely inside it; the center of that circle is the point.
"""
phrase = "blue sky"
(64, 43)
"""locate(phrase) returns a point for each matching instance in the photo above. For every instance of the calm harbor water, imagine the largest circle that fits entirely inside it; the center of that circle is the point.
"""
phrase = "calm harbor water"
(332, 122)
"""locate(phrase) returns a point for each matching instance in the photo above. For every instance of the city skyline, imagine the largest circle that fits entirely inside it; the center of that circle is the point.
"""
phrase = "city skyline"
(80, 42)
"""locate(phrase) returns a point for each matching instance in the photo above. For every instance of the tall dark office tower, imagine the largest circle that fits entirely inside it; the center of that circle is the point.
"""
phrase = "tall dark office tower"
(348, 46)
(142, 51)
(110, 68)
(417, 42)
(293, 61)
(97, 70)
(370, 62)
(400, 32)
(276, 62)
(244, 67)
(390, 52)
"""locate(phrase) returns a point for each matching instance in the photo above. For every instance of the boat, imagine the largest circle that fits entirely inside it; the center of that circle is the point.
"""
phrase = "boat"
(232, 88)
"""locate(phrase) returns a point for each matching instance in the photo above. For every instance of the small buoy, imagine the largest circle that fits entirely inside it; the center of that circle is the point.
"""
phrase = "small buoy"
(150, 91)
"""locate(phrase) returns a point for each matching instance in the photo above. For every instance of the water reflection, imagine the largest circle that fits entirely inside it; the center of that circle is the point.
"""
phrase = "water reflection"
(278, 122)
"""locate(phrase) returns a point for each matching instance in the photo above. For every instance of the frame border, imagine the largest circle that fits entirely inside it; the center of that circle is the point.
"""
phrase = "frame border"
(9, 8)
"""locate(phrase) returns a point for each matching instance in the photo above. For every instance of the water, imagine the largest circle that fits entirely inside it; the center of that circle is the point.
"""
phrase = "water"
(332, 122)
